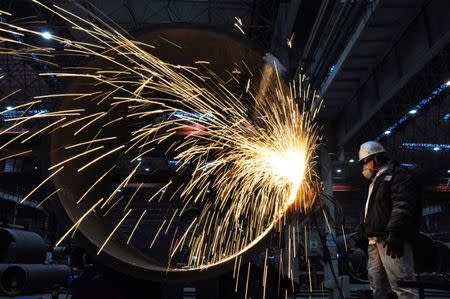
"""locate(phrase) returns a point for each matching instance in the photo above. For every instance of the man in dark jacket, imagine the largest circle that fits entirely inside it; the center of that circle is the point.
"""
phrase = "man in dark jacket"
(391, 220)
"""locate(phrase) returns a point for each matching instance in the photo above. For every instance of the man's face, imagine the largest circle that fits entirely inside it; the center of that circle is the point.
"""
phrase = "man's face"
(368, 168)
(368, 164)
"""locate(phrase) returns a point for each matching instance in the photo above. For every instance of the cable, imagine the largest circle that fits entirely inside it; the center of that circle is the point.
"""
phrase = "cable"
(337, 204)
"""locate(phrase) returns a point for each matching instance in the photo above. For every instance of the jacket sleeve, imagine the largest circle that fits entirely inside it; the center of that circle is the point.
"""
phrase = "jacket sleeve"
(405, 203)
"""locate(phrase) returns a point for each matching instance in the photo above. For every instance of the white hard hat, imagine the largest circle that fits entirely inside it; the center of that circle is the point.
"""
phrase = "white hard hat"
(370, 148)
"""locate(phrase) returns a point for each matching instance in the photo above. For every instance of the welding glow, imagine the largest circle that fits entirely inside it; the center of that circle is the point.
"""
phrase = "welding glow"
(289, 165)
(46, 35)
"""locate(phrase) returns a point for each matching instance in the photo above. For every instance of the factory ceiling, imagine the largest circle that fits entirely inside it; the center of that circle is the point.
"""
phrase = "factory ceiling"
(371, 61)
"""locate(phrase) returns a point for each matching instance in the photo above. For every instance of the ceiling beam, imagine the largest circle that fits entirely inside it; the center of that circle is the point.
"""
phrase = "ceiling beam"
(422, 40)
(371, 8)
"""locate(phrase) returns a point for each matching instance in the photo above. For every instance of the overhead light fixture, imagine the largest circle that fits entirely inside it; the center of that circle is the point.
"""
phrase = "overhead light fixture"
(448, 170)
(420, 105)
(139, 159)
(425, 146)
(409, 165)
(351, 161)
(446, 117)
(46, 35)
(338, 170)
(9, 108)
(147, 169)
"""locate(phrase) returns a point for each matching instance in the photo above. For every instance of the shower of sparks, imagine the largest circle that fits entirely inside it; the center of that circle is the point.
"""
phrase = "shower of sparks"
(76, 224)
(246, 283)
(41, 184)
(113, 231)
(258, 158)
(16, 155)
(49, 196)
(238, 24)
(289, 41)
(135, 226)
(240, 28)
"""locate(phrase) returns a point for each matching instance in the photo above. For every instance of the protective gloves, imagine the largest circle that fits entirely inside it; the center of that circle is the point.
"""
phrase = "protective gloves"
(394, 245)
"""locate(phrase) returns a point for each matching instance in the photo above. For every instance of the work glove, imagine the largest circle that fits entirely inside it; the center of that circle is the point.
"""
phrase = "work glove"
(394, 245)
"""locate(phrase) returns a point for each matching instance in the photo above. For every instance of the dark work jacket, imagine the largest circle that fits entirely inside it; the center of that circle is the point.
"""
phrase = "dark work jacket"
(394, 205)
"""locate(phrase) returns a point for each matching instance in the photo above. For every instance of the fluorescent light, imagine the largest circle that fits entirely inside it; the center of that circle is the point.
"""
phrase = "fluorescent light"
(420, 105)
(446, 117)
(351, 160)
(46, 35)
(147, 169)
(448, 170)
(338, 170)
(9, 108)
(139, 159)
(429, 146)
(409, 165)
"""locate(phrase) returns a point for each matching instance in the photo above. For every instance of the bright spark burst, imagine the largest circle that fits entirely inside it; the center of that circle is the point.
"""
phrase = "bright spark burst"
(256, 151)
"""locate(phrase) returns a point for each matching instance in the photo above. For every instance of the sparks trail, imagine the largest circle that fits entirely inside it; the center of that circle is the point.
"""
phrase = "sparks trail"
(249, 154)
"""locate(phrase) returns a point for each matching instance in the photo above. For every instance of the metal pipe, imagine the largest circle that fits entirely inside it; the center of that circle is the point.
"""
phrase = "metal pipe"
(17, 278)
(18, 246)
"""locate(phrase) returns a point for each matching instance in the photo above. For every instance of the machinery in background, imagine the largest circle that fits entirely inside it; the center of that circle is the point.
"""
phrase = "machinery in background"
(432, 262)
(25, 266)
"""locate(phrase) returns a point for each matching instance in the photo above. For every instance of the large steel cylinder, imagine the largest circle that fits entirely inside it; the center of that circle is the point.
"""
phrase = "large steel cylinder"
(18, 246)
(224, 54)
(19, 278)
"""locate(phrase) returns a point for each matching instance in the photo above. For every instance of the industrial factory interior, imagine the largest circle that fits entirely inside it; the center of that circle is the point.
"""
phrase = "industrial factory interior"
(224, 149)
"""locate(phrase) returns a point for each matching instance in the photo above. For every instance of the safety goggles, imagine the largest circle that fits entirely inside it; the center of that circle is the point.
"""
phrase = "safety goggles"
(365, 161)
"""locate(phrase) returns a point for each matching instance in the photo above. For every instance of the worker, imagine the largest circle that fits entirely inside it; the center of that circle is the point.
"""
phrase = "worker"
(391, 221)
